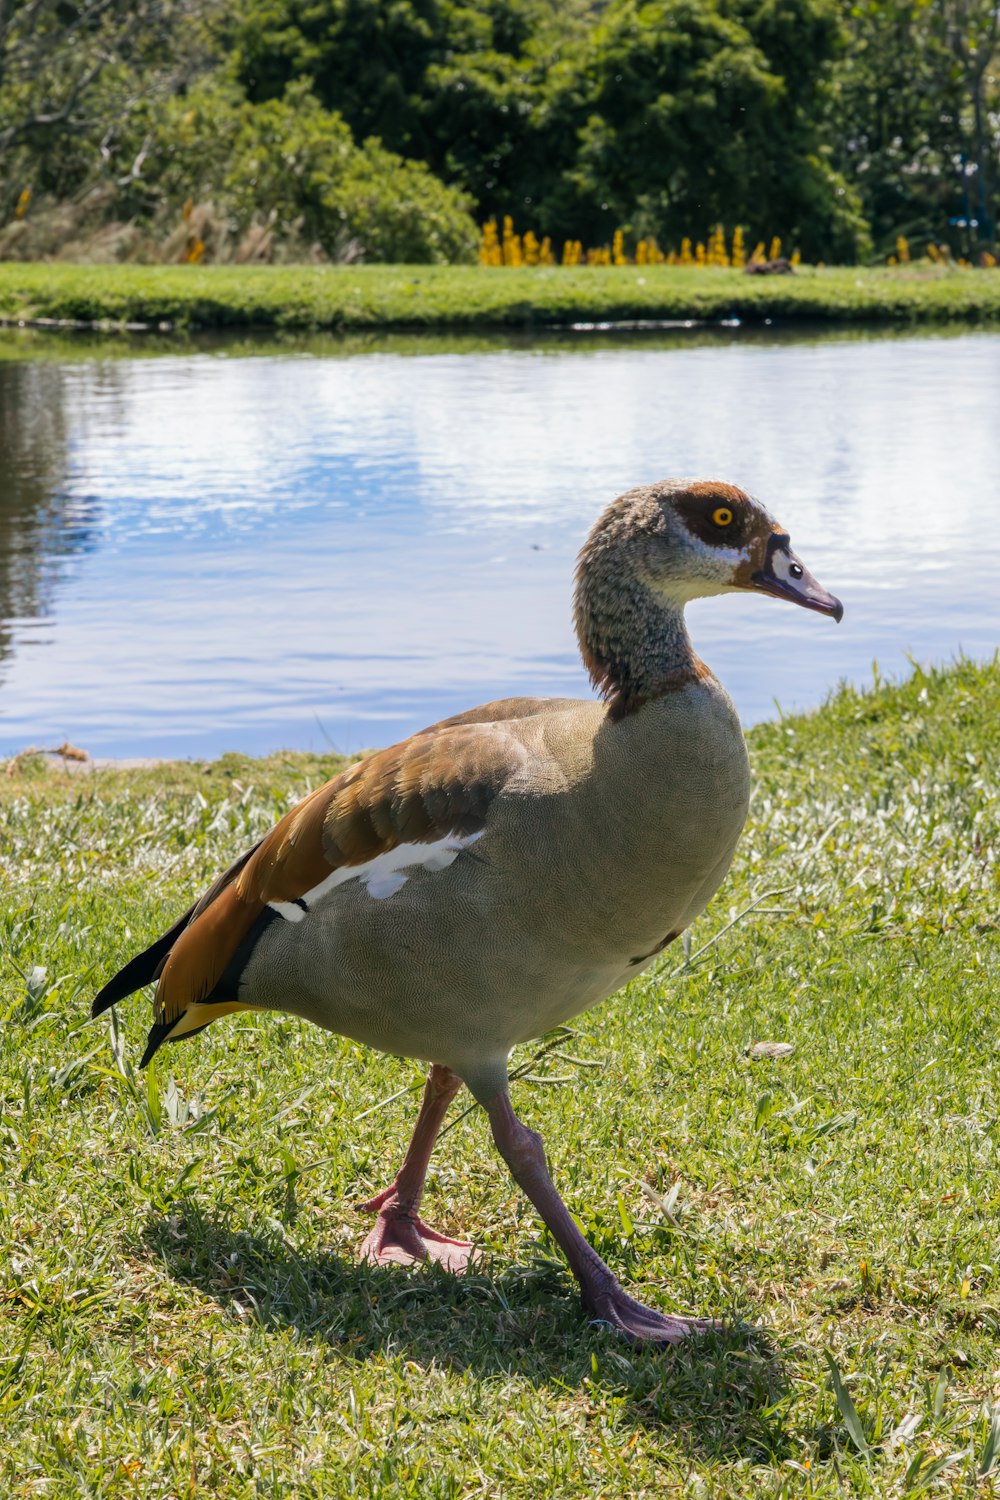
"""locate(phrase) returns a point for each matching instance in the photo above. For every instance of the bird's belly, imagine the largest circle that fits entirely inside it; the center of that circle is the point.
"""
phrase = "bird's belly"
(457, 965)
(462, 1019)
(400, 971)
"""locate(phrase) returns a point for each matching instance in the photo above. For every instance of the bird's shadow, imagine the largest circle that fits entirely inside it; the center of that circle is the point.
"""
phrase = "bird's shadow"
(719, 1392)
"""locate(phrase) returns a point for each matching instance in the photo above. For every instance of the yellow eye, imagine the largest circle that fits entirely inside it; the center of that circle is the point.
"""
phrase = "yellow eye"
(723, 516)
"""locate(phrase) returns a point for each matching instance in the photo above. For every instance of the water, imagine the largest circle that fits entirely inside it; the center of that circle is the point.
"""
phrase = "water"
(221, 549)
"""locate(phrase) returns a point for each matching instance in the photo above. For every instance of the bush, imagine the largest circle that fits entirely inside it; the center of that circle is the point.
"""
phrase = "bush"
(297, 162)
(223, 179)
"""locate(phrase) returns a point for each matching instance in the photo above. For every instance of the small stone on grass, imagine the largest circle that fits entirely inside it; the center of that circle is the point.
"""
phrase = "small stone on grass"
(757, 1050)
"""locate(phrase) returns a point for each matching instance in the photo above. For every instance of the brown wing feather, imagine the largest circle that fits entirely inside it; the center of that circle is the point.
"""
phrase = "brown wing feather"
(503, 709)
(439, 782)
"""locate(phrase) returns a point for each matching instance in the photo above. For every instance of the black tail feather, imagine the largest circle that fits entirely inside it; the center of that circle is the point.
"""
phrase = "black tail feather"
(227, 989)
(145, 967)
(142, 969)
(158, 1034)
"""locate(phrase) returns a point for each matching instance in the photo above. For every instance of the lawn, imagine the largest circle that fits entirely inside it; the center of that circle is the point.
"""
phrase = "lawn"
(182, 1312)
(360, 297)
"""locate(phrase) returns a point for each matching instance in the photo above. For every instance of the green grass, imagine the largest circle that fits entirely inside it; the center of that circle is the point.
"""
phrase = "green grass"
(470, 296)
(181, 1310)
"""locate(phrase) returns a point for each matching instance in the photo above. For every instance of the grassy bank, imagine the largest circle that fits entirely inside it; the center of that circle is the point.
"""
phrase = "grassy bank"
(471, 296)
(182, 1311)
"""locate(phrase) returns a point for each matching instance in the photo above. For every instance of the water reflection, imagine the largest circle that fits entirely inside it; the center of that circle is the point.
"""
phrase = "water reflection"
(42, 523)
(307, 546)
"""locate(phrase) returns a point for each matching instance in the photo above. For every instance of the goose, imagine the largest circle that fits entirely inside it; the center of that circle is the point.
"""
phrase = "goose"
(494, 875)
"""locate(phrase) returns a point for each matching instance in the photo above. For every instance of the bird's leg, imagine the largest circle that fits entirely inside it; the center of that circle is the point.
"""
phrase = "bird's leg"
(400, 1237)
(603, 1298)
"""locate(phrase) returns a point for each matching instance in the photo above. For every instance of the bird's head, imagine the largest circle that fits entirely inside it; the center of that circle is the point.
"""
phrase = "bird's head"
(655, 549)
(688, 539)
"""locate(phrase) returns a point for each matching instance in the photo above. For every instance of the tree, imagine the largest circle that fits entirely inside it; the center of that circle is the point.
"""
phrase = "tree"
(291, 164)
(71, 75)
(969, 30)
(691, 115)
(442, 81)
(136, 99)
(810, 119)
(668, 115)
(914, 115)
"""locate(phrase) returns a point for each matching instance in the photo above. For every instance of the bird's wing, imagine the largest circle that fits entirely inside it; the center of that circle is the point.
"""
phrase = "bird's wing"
(438, 783)
(504, 709)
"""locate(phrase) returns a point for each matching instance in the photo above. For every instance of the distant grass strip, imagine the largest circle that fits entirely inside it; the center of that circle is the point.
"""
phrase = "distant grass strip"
(414, 297)
(181, 1312)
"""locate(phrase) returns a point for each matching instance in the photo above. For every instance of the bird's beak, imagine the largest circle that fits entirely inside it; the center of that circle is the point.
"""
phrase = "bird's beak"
(782, 575)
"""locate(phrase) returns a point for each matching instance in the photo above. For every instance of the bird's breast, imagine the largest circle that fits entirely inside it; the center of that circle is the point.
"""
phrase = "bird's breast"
(628, 861)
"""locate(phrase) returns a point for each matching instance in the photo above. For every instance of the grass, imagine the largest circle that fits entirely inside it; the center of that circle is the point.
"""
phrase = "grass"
(338, 297)
(182, 1313)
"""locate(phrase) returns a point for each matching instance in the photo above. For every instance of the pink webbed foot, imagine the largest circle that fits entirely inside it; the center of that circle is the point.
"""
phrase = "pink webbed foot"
(611, 1306)
(401, 1238)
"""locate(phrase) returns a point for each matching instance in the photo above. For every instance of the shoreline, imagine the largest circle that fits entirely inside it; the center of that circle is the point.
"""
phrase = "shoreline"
(166, 300)
(36, 761)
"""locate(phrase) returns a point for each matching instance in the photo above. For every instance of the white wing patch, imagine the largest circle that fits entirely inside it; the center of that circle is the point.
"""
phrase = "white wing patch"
(290, 910)
(384, 875)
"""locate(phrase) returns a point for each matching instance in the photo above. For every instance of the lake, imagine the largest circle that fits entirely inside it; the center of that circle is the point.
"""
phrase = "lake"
(329, 544)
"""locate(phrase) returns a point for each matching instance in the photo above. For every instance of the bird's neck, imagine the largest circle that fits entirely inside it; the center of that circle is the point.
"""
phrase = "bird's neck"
(634, 641)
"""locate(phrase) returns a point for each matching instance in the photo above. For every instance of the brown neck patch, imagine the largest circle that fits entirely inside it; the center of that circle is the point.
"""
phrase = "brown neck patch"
(622, 700)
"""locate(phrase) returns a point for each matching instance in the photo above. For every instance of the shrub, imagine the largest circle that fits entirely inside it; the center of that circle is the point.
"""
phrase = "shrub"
(224, 179)
(295, 161)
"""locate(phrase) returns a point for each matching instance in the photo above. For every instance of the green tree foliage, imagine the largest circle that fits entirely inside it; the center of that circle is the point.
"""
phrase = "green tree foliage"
(292, 166)
(695, 117)
(441, 80)
(70, 73)
(378, 128)
(136, 100)
(666, 115)
(970, 29)
(915, 115)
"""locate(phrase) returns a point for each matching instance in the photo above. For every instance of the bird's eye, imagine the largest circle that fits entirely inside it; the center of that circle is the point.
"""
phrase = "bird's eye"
(723, 516)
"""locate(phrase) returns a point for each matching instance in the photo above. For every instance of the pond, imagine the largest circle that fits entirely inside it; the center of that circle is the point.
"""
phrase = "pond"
(253, 547)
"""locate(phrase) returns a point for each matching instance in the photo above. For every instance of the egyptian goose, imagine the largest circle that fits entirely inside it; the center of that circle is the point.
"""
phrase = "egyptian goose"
(494, 875)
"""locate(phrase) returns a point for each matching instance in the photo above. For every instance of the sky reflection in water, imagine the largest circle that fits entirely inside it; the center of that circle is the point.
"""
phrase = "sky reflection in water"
(292, 550)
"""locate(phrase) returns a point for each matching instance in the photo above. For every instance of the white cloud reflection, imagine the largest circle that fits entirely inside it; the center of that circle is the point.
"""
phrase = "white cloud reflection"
(377, 540)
